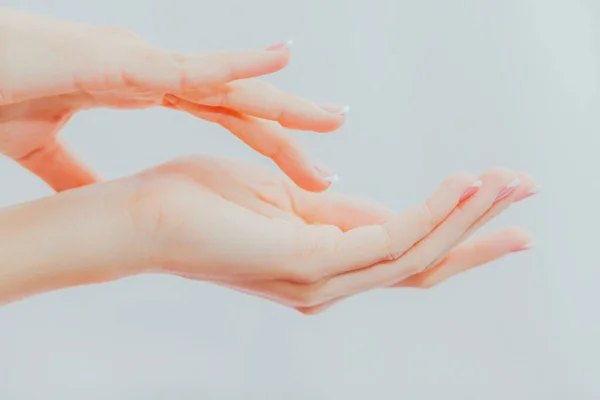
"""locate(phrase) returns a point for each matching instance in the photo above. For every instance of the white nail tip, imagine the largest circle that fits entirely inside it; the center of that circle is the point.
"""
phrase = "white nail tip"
(535, 189)
(513, 184)
(477, 184)
(345, 110)
(332, 179)
(288, 44)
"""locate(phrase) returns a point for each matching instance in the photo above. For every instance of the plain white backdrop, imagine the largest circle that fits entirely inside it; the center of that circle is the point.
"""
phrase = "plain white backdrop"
(435, 87)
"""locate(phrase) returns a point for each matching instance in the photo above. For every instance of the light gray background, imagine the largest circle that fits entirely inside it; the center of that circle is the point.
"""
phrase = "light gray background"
(435, 87)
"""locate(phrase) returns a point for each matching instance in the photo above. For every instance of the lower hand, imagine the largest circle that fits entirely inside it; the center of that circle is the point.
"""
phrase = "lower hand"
(240, 226)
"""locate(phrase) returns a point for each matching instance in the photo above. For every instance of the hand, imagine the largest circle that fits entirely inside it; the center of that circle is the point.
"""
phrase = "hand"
(51, 69)
(236, 225)
(239, 226)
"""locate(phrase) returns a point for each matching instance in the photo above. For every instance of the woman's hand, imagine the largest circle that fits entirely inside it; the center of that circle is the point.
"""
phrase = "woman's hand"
(51, 69)
(239, 226)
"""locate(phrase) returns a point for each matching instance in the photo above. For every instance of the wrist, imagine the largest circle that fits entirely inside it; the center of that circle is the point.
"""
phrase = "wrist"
(79, 237)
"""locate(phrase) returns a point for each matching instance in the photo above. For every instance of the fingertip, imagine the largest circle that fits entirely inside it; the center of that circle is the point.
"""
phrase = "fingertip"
(510, 240)
(277, 59)
(303, 175)
(280, 46)
(316, 120)
(311, 183)
(515, 233)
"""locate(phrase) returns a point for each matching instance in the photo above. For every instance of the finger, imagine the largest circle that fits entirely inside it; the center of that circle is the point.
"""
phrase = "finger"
(268, 139)
(473, 253)
(336, 209)
(320, 251)
(424, 252)
(58, 167)
(117, 64)
(368, 245)
(521, 191)
(263, 100)
(167, 72)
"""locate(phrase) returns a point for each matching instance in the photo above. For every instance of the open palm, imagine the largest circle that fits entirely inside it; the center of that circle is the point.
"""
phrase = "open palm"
(238, 225)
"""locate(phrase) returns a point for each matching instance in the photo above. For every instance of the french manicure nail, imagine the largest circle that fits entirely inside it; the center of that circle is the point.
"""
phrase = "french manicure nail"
(470, 191)
(508, 189)
(531, 192)
(280, 46)
(334, 108)
(326, 173)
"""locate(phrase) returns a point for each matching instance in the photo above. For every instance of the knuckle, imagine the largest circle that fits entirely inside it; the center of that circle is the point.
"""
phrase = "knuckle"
(226, 70)
(322, 239)
(391, 252)
(427, 219)
(286, 147)
(175, 66)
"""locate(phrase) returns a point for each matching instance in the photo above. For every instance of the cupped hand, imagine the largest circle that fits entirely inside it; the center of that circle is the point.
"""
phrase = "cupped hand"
(240, 226)
(51, 69)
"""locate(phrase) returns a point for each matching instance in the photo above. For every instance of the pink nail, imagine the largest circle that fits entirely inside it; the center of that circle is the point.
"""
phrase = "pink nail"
(280, 46)
(508, 189)
(531, 192)
(470, 191)
(326, 173)
(525, 247)
(334, 108)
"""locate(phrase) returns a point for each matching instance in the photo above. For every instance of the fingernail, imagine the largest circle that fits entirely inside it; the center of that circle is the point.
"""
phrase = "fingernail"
(280, 46)
(525, 247)
(334, 108)
(471, 190)
(326, 173)
(530, 193)
(508, 189)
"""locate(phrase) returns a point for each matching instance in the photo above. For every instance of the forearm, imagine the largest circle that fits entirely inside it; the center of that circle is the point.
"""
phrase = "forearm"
(74, 238)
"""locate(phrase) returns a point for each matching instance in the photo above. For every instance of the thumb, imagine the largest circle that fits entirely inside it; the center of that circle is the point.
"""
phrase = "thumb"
(345, 212)
(58, 167)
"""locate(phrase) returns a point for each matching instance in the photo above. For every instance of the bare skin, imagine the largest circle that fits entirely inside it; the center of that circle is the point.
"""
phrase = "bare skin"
(52, 69)
(240, 226)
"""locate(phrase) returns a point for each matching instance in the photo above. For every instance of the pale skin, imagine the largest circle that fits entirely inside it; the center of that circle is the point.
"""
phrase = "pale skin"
(240, 226)
(52, 69)
(236, 225)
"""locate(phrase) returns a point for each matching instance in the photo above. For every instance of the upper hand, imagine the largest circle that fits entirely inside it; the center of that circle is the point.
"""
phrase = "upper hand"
(51, 69)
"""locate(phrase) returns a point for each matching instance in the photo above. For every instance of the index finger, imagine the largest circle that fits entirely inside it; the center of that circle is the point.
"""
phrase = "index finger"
(178, 73)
